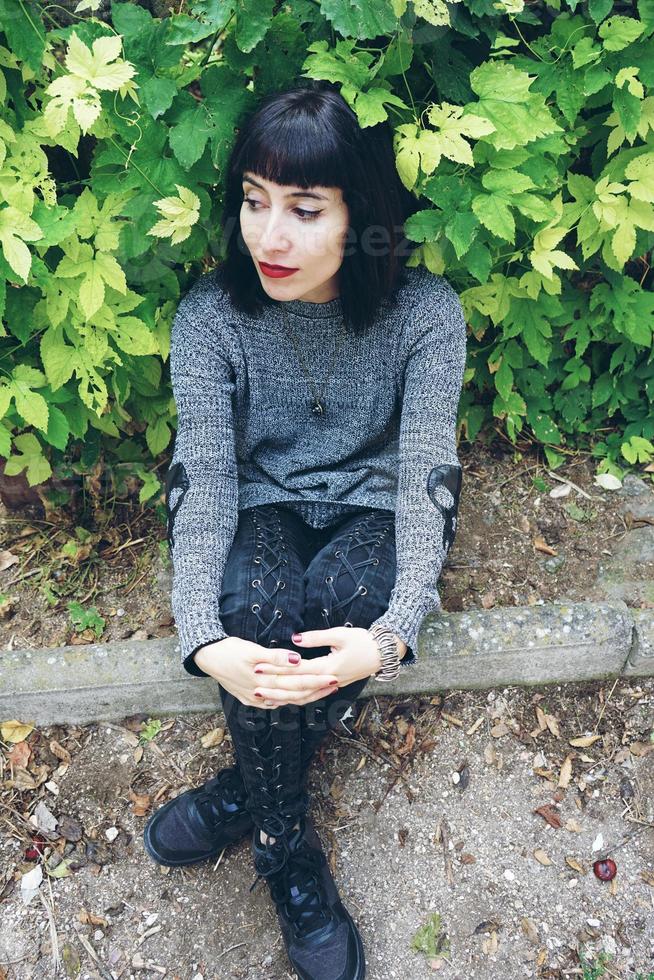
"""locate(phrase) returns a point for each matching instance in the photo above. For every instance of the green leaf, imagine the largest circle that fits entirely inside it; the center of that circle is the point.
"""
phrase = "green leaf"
(478, 261)
(30, 456)
(423, 226)
(157, 435)
(58, 429)
(158, 95)
(91, 291)
(638, 450)
(461, 230)
(640, 172)
(504, 380)
(362, 19)
(24, 30)
(150, 729)
(253, 21)
(369, 106)
(618, 32)
(84, 618)
(15, 229)
(133, 336)
(623, 242)
(29, 404)
(58, 358)
(342, 63)
(646, 14)
(518, 115)
(179, 215)
(599, 9)
(628, 108)
(544, 427)
(431, 938)
(495, 214)
(452, 130)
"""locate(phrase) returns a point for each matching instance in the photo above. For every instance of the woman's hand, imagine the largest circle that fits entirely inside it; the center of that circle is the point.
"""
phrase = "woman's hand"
(354, 655)
(238, 665)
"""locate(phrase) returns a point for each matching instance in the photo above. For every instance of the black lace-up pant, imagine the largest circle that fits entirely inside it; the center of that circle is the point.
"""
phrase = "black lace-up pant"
(282, 576)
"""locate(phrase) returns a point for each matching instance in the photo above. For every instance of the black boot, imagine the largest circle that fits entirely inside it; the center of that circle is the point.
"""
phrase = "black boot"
(199, 823)
(321, 938)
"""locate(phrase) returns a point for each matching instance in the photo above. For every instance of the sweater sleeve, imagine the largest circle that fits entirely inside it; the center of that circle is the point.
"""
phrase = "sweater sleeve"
(202, 481)
(429, 472)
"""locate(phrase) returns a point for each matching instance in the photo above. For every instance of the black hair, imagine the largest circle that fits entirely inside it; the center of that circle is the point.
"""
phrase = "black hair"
(308, 135)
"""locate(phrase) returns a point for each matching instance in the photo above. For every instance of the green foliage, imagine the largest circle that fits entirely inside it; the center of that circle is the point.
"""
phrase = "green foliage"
(88, 618)
(526, 134)
(431, 938)
(150, 728)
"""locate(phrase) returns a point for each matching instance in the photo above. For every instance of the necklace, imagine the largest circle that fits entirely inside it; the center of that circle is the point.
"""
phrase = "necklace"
(316, 405)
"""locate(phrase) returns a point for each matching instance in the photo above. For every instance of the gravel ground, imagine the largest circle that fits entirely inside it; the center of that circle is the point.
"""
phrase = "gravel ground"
(426, 807)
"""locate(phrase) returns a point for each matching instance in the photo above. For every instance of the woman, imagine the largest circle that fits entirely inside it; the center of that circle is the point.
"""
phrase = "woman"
(314, 486)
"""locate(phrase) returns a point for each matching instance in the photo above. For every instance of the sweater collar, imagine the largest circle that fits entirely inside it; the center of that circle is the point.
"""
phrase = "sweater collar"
(312, 311)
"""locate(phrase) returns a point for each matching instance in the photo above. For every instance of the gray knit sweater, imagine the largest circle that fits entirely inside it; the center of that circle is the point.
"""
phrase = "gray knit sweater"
(246, 436)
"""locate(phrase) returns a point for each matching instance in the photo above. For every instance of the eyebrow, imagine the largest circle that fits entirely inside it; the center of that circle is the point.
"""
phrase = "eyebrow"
(318, 197)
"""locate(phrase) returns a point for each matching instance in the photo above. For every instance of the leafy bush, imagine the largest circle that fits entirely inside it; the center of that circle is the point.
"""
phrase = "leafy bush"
(525, 130)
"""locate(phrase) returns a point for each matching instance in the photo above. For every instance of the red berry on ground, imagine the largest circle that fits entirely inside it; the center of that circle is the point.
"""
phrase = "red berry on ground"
(605, 870)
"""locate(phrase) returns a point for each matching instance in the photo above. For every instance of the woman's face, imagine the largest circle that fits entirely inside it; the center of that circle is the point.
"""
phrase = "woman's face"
(305, 230)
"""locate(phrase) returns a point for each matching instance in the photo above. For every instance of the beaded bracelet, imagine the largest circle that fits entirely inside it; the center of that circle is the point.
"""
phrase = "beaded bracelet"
(388, 651)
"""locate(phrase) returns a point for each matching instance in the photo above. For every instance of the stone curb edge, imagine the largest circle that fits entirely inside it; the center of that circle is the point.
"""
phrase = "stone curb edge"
(477, 649)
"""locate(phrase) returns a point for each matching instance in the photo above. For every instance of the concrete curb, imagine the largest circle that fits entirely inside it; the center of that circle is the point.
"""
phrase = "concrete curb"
(528, 645)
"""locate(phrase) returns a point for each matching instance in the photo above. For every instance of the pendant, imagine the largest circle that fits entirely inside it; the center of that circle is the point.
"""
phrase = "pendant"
(318, 406)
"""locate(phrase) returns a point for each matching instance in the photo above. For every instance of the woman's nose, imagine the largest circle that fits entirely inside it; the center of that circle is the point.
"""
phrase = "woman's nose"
(273, 234)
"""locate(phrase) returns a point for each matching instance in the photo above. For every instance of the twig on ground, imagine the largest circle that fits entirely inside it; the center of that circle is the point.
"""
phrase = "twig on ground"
(229, 949)
(52, 925)
(104, 972)
(443, 835)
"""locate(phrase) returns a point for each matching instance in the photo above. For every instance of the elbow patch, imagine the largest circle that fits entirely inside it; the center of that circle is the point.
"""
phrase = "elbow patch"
(444, 490)
(176, 483)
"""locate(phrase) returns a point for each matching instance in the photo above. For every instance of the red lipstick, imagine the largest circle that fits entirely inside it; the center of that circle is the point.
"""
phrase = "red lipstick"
(276, 271)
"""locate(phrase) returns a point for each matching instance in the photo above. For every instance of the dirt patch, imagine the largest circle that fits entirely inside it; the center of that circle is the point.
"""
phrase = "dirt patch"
(515, 545)
(478, 813)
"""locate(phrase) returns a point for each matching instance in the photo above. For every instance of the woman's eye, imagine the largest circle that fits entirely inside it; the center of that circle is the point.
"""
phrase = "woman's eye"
(301, 212)
(307, 215)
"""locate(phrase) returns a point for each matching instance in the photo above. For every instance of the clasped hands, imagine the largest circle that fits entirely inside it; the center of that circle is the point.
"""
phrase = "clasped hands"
(268, 678)
(354, 655)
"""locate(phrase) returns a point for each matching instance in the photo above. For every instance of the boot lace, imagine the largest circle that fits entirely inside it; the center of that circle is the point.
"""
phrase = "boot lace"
(298, 889)
(221, 798)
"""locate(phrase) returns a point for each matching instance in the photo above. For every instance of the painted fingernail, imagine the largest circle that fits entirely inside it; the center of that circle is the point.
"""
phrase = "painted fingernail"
(257, 671)
(297, 637)
(294, 658)
(257, 695)
(331, 683)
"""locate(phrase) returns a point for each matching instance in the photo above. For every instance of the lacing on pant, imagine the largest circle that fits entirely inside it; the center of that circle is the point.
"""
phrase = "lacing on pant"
(366, 535)
(269, 555)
